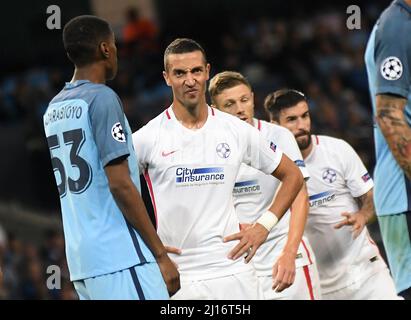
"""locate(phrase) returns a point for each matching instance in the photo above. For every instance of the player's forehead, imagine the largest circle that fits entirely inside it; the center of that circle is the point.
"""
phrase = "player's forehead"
(295, 111)
(185, 61)
(234, 93)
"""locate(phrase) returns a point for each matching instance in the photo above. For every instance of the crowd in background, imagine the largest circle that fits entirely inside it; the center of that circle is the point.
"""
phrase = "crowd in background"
(24, 264)
(317, 55)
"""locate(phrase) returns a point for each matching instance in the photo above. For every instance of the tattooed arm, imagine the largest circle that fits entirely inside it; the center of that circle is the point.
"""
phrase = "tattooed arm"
(394, 127)
(359, 219)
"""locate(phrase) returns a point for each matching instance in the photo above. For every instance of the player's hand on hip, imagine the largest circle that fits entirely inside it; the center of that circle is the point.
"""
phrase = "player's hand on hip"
(250, 240)
(174, 250)
(356, 220)
(170, 274)
(284, 271)
(244, 226)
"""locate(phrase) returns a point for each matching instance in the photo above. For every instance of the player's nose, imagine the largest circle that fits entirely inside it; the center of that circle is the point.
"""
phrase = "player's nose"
(301, 124)
(190, 80)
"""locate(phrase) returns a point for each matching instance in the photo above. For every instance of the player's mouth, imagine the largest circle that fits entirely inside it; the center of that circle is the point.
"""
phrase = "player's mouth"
(191, 91)
(302, 134)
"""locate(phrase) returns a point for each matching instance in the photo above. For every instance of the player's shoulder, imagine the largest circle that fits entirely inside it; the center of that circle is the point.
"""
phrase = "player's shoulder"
(223, 116)
(102, 91)
(274, 129)
(332, 144)
(228, 120)
(394, 20)
(153, 125)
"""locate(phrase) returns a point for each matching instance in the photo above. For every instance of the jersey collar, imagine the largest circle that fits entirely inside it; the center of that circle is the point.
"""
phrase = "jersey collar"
(75, 84)
(315, 142)
(257, 123)
(171, 116)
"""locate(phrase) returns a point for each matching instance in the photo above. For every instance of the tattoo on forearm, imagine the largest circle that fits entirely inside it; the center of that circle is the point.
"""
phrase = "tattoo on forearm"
(397, 132)
(366, 204)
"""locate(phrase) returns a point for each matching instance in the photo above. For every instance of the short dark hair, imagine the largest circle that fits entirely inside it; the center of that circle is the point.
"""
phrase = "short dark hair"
(81, 37)
(225, 80)
(282, 99)
(182, 45)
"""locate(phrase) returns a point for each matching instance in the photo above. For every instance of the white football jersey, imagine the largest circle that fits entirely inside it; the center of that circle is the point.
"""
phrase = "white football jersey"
(191, 176)
(337, 176)
(254, 193)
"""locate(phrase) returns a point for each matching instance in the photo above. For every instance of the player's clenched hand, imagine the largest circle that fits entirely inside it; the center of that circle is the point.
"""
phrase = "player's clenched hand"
(250, 240)
(170, 274)
(356, 220)
(284, 271)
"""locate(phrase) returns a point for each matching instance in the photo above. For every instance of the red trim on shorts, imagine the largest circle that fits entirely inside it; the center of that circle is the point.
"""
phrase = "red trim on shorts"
(150, 189)
(168, 115)
(309, 284)
(306, 250)
(316, 139)
(259, 124)
(374, 244)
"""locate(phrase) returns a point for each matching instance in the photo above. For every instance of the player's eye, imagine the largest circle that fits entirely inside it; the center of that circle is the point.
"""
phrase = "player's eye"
(197, 70)
(228, 105)
(245, 99)
(178, 73)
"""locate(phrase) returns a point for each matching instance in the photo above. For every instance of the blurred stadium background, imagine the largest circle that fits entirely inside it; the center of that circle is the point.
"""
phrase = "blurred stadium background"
(293, 43)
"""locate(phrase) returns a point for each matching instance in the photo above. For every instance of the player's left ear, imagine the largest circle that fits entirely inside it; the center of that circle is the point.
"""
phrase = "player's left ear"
(208, 71)
(104, 49)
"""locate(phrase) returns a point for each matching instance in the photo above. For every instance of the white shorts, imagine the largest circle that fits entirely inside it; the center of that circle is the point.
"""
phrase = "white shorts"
(240, 286)
(379, 286)
(306, 286)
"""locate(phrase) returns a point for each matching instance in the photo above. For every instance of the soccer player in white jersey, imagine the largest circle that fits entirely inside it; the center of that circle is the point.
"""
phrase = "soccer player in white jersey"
(341, 204)
(191, 154)
(285, 258)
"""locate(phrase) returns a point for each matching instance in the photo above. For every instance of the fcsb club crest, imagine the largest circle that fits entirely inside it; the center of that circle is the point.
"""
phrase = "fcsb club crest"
(223, 150)
(329, 175)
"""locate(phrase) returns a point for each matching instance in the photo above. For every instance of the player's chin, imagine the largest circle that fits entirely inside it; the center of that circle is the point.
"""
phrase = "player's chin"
(191, 102)
(303, 142)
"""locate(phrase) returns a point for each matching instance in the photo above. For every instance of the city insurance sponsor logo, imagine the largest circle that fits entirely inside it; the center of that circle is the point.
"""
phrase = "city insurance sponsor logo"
(246, 187)
(321, 199)
(199, 176)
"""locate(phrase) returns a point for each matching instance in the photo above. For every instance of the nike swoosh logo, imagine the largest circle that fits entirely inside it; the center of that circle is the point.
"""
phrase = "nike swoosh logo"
(165, 154)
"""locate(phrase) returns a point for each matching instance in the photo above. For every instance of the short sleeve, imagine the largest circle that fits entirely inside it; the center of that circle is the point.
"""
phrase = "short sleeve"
(260, 153)
(142, 148)
(356, 175)
(108, 124)
(392, 58)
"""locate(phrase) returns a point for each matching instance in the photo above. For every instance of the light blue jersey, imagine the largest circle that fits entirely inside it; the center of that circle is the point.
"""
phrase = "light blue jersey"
(86, 129)
(388, 62)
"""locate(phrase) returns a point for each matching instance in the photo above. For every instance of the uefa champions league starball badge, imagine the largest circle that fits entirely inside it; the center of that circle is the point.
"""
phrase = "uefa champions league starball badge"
(118, 133)
(391, 68)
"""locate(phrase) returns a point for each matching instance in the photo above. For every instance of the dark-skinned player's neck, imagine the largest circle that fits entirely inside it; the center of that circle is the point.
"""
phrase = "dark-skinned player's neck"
(306, 152)
(192, 117)
(91, 72)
